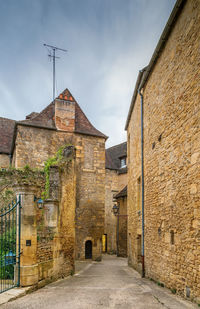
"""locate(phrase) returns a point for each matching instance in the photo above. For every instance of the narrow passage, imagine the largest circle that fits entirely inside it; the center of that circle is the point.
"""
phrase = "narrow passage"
(107, 284)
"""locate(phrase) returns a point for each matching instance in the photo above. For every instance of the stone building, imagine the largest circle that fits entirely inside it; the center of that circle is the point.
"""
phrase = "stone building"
(121, 199)
(115, 181)
(32, 141)
(169, 90)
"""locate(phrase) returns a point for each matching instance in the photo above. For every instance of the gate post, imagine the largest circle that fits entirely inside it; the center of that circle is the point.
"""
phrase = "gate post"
(28, 259)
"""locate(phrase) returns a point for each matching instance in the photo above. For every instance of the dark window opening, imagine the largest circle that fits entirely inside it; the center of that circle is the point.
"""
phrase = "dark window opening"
(153, 145)
(88, 249)
(172, 237)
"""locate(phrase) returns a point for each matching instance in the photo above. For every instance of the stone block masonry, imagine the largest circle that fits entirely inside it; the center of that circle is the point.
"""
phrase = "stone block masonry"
(90, 153)
(35, 145)
(48, 230)
(4, 160)
(171, 162)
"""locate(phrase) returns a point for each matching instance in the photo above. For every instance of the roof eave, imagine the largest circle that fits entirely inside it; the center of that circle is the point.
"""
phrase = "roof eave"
(133, 98)
(145, 73)
(92, 134)
(35, 126)
(163, 39)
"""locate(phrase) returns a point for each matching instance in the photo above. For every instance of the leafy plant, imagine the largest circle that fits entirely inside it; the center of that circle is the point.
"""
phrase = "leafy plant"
(173, 291)
(52, 161)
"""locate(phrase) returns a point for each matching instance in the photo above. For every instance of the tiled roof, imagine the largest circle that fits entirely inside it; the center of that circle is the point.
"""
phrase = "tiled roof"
(122, 193)
(113, 155)
(43, 119)
(6, 134)
(32, 115)
(46, 117)
(83, 125)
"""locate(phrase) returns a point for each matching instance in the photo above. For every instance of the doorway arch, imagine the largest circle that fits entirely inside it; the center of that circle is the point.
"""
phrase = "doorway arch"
(88, 249)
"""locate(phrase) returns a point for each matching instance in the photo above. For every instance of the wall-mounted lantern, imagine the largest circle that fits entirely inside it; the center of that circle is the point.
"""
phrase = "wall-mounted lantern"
(39, 202)
(115, 209)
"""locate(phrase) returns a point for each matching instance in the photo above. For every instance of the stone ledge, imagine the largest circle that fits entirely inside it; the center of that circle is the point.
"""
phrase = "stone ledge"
(13, 294)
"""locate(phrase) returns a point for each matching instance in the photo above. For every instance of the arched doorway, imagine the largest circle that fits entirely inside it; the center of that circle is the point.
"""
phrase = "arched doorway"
(88, 249)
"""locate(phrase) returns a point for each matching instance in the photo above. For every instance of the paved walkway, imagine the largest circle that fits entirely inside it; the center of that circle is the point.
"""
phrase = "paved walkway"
(107, 284)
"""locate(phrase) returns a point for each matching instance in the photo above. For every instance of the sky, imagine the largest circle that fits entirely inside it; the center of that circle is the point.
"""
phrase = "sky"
(107, 42)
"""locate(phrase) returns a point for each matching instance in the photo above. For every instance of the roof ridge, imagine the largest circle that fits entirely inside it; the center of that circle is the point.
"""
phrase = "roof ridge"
(116, 145)
(7, 118)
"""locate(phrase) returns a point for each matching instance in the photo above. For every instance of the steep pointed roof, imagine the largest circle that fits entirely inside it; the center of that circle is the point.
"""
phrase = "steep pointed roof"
(47, 117)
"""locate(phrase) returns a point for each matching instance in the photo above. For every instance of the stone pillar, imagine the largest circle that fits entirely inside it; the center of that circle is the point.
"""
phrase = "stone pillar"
(51, 213)
(28, 260)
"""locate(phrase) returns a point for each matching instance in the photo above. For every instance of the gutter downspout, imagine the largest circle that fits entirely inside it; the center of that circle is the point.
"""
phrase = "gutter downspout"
(142, 175)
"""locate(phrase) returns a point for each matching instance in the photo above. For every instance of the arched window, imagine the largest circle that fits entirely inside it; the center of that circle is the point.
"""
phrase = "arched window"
(88, 249)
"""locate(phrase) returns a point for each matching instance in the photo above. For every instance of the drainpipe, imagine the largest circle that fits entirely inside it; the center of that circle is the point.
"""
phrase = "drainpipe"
(142, 175)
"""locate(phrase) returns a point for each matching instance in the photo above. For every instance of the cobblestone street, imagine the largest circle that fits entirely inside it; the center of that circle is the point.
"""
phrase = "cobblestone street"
(107, 284)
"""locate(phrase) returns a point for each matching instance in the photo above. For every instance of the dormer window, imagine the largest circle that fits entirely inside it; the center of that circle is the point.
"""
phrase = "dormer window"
(122, 162)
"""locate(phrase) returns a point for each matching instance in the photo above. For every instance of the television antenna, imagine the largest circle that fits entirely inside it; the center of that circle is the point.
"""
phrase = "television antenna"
(54, 57)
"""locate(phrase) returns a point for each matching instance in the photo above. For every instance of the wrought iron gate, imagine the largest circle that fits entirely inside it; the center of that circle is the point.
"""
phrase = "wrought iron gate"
(10, 227)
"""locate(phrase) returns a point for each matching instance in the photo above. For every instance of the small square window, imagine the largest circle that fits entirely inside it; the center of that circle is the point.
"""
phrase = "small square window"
(123, 162)
(172, 237)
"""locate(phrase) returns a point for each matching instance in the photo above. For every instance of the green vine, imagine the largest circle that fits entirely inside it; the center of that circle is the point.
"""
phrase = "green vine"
(52, 161)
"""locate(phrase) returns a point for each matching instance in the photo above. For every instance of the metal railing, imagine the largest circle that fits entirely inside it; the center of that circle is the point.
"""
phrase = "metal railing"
(10, 228)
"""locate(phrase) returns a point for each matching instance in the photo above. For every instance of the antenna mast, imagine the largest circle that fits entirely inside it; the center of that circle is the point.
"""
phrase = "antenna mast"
(54, 49)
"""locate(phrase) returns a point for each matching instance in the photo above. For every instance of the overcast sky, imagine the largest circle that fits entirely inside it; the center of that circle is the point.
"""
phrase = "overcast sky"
(108, 42)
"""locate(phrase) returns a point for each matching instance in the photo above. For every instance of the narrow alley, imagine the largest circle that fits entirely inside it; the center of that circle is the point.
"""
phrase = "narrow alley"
(107, 284)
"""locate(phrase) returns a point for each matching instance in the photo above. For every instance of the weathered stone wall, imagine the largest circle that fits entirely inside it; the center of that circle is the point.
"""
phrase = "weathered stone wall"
(122, 181)
(35, 145)
(48, 230)
(114, 183)
(122, 238)
(171, 162)
(10, 177)
(4, 160)
(90, 172)
(65, 115)
(134, 201)
(90, 199)
(56, 226)
(111, 188)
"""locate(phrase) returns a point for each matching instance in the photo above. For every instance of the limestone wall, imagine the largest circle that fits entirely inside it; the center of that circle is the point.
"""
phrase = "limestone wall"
(35, 145)
(90, 199)
(114, 183)
(134, 188)
(111, 189)
(10, 177)
(171, 162)
(48, 230)
(122, 181)
(56, 227)
(4, 160)
(122, 238)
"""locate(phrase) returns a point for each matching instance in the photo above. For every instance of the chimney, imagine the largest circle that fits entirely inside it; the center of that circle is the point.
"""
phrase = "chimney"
(65, 112)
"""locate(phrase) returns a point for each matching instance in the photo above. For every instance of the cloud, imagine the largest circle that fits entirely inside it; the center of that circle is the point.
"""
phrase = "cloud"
(107, 42)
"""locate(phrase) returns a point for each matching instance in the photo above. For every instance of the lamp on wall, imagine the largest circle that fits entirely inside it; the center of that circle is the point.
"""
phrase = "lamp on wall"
(115, 209)
(39, 202)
